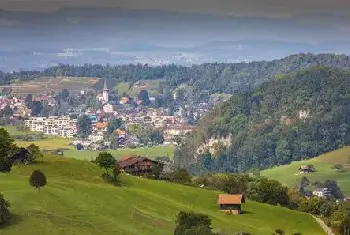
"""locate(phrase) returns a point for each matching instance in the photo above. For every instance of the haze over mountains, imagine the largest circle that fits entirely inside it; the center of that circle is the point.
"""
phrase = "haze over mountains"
(35, 40)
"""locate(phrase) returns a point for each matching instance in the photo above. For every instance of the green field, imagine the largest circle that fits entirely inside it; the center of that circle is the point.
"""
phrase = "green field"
(76, 201)
(323, 164)
(51, 84)
(52, 143)
(150, 85)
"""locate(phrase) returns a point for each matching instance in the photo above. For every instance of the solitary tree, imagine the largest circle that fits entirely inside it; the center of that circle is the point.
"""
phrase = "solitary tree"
(192, 223)
(113, 125)
(34, 152)
(4, 210)
(84, 126)
(338, 167)
(37, 179)
(7, 149)
(105, 160)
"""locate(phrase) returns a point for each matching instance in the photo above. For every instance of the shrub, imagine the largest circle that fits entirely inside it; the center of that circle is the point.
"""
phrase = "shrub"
(4, 210)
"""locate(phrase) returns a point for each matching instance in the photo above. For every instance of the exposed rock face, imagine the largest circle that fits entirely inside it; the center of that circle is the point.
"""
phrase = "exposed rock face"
(213, 144)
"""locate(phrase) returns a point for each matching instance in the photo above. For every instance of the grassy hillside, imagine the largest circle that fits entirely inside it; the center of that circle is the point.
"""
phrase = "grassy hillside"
(150, 85)
(51, 84)
(323, 164)
(76, 201)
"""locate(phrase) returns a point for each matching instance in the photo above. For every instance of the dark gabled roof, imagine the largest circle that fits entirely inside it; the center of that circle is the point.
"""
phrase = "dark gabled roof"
(133, 160)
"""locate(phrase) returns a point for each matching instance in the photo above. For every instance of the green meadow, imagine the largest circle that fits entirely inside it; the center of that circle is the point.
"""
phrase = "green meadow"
(77, 201)
(323, 164)
(53, 143)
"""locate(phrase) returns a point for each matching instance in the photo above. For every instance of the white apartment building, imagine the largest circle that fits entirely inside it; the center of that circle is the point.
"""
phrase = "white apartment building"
(95, 138)
(62, 126)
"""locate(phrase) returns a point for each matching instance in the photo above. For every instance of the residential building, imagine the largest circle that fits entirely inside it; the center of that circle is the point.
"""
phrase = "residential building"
(137, 165)
(322, 192)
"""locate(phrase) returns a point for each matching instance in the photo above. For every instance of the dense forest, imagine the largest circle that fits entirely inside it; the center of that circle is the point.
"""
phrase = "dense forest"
(292, 117)
(213, 77)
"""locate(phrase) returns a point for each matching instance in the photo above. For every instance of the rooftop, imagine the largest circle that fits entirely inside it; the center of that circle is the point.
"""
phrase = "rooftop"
(231, 199)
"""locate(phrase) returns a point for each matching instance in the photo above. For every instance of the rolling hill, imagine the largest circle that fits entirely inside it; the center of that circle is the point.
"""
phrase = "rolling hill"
(291, 117)
(289, 174)
(76, 201)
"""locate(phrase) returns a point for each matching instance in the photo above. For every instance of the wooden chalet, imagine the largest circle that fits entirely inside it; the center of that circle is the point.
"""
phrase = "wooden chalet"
(137, 165)
(231, 204)
(307, 169)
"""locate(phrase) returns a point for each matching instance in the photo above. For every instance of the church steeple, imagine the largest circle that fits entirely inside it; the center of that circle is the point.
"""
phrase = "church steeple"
(105, 93)
(105, 88)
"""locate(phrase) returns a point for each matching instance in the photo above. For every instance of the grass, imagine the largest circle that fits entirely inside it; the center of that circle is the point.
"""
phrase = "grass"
(323, 164)
(76, 201)
(49, 84)
(53, 143)
(150, 85)
(151, 152)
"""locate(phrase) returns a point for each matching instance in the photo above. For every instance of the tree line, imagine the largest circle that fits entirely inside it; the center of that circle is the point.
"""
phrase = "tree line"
(214, 77)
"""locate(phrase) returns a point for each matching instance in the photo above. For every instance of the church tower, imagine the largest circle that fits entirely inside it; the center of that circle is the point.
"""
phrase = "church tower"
(105, 93)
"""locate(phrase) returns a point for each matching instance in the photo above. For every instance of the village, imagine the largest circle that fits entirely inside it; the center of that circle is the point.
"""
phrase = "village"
(136, 117)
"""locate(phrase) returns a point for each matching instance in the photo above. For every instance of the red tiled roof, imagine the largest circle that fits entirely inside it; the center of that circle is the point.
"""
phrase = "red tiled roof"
(231, 199)
(101, 125)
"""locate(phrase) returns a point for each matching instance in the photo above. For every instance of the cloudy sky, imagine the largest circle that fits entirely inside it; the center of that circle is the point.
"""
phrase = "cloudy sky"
(266, 8)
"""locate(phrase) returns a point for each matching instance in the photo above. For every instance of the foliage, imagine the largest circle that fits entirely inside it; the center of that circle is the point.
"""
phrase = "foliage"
(279, 122)
(180, 175)
(37, 179)
(4, 210)
(338, 167)
(34, 152)
(143, 96)
(190, 223)
(213, 77)
(113, 124)
(105, 160)
(7, 149)
(269, 191)
(84, 126)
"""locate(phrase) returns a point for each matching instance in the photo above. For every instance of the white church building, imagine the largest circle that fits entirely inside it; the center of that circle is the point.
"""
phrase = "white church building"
(104, 97)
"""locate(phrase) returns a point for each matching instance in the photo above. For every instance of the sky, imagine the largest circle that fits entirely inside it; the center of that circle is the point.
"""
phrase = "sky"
(256, 8)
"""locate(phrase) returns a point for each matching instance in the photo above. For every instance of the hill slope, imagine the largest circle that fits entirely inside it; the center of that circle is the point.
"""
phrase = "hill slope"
(289, 174)
(77, 202)
(290, 118)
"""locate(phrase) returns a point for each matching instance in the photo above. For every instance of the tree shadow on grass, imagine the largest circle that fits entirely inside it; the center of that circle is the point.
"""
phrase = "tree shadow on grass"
(15, 219)
(245, 212)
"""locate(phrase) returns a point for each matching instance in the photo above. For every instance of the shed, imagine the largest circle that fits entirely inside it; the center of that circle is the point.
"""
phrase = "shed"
(231, 203)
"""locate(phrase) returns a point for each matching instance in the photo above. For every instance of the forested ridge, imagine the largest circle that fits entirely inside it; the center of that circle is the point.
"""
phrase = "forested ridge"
(214, 77)
(292, 117)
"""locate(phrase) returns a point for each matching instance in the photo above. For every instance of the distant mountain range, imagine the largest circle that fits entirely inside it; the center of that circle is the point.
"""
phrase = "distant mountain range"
(30, 40)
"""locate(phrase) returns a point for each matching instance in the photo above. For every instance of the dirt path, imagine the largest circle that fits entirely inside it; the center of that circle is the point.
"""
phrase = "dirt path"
(324, 226)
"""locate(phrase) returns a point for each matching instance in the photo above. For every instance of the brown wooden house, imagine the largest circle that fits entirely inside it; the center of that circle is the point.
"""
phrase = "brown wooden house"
(137, 165)
(307, 169)
(231, 204)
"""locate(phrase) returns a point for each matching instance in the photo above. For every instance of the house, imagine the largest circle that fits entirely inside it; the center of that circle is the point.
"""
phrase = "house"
(137, 165)
(231, 203)
(101, 126)
(322, 192)
(120, 132)
(307, 169)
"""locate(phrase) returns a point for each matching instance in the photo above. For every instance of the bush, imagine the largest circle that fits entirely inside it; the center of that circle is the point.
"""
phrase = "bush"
(37, 179)
(4, 210)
